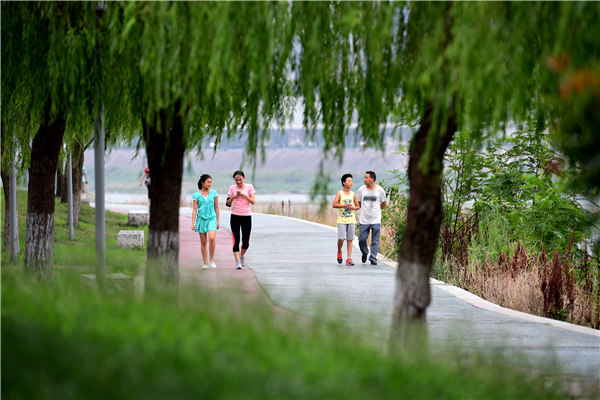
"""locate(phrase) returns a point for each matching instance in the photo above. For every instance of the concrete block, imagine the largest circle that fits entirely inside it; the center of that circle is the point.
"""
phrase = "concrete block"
(137, 218)
(114, 282)
(130, 238)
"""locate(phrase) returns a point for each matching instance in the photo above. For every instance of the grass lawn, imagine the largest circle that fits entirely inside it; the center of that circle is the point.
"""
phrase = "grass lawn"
(82, 250)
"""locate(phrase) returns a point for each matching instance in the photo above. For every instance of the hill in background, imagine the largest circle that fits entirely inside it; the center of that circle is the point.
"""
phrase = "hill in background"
(285, 170)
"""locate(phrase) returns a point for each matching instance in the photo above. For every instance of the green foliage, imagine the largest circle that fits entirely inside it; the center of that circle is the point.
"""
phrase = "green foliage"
(511, 189)
(221, 66)
(512, 180)
(35, 87)
(394, 215)
(65, 340)
(575, 66)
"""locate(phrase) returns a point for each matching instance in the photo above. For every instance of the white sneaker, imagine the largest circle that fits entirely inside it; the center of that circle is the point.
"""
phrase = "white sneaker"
(205, 266)
(239, 265)
(243, 262)
(213, 265)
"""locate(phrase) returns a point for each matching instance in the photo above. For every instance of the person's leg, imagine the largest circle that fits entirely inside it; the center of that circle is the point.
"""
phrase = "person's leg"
(234, 223)
(212, 245)
(349, 249)
(374, 241)
(203, 249)
(246, 224)
(363, 234)
(340, 242)
(349, 238)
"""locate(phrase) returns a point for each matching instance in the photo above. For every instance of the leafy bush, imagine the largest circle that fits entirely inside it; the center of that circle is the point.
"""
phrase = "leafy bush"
(506, 200)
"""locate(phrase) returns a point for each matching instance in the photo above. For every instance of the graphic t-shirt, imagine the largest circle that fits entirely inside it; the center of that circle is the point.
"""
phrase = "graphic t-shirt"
(370, 204)
(240, 206)
(346, 216)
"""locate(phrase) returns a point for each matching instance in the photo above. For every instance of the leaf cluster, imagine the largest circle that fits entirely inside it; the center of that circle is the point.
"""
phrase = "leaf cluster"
(47, 53)
(227, 67)
(221, 66)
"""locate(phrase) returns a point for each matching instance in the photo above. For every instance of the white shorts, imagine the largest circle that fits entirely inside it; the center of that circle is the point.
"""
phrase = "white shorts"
(345, 231)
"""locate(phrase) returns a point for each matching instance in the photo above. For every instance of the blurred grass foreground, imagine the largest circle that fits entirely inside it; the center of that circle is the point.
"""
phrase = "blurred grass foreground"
(65, 340)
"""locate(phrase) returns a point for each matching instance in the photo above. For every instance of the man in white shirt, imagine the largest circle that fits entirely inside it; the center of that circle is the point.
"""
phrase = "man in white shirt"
(371, 199)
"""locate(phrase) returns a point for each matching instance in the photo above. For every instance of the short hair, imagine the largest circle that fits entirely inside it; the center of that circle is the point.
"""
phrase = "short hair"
(344, 177)
(203, 179)
(372, 175)
(239, 172)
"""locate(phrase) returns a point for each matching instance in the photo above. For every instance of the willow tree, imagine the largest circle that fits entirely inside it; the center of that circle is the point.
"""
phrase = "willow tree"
(444, 67)
(46, 90)
(186, 72)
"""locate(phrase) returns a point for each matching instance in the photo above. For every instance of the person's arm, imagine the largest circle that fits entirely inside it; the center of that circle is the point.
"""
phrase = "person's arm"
(143, 177)
(250, 198)
(230, 198)
(336, 201)
(356, 203)
(194, 214)
(384, 202)
(217, 210)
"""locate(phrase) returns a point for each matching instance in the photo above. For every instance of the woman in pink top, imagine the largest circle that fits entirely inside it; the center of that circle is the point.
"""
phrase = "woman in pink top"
(240, 197)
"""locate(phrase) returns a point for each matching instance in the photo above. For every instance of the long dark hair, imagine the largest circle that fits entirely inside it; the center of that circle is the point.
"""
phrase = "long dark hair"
(203, 179)
(240, 173)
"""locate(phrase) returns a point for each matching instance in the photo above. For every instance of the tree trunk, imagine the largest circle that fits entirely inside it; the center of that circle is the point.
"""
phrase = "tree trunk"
(423, 223)
(165, 147)
(39, 238)
(77, 176)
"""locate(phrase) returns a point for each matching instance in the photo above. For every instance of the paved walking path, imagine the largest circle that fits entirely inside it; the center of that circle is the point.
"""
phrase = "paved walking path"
(225, 277)
(293, 262)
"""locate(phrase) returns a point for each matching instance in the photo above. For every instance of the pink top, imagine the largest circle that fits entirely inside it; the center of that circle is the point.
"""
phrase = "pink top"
(240, 206)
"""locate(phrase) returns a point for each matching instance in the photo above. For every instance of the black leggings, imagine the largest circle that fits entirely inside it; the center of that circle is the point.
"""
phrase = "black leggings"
(245, 223)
